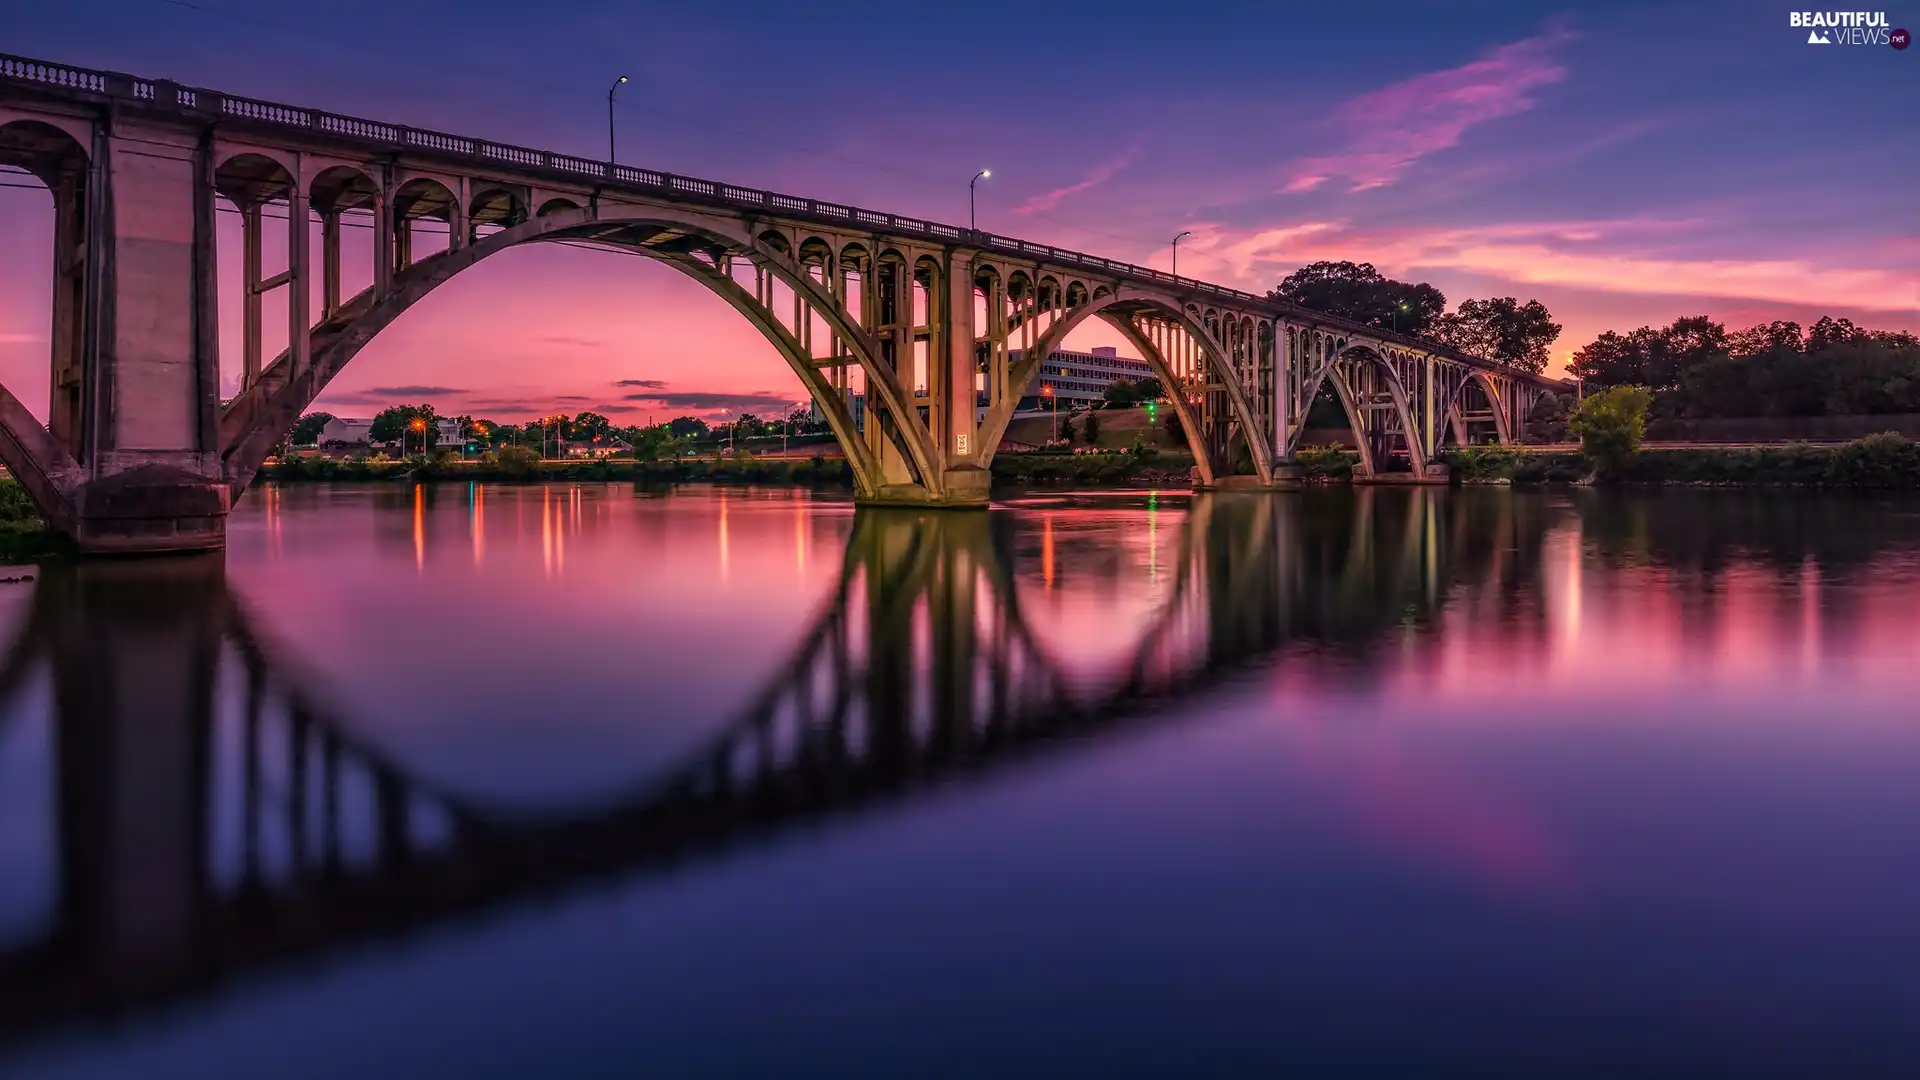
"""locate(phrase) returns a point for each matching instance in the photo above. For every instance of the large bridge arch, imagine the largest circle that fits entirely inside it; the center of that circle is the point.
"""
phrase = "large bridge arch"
(1117, 308)
(256, 420)
(1344, 360)
(1454, 420)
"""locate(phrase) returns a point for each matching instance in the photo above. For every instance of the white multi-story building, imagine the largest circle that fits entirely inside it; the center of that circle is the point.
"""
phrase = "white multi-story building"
(1081, 378)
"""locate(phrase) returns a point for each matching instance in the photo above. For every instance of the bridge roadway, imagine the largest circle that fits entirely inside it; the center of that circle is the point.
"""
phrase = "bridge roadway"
(929, 321)
(339, 843)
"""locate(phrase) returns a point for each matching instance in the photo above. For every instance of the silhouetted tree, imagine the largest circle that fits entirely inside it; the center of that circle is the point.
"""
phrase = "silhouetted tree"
(1502, 330)
(307, 431)
(1359, 292)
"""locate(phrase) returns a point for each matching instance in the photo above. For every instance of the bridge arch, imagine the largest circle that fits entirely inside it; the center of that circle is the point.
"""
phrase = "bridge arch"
(1344, 366)
(1455, 420)
(1117, 308)
(701, 248)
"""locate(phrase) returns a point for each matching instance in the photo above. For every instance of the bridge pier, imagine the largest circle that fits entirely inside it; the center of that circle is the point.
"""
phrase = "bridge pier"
(129, 463)
(1285, 478)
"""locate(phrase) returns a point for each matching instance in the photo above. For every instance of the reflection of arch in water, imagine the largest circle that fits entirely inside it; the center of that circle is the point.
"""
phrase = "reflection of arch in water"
(919, 671)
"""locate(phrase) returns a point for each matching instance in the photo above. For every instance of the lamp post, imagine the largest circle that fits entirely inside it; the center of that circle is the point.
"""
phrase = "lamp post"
(610, 90)
(1176, 250)
(1398, 308)
(420, 426)
(977, 177)
(1048, 390)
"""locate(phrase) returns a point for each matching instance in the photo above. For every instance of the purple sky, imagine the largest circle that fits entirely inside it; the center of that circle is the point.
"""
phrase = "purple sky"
(1624, 163)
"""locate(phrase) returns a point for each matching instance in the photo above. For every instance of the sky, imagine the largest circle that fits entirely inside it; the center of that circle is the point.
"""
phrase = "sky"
(1626, 164)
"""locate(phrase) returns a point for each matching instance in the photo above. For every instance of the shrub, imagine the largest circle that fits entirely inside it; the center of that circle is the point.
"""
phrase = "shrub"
(1886, 460)
(15, 503)
(1610, 425)
(1092, 432)
(518, 460)
(1325, 462)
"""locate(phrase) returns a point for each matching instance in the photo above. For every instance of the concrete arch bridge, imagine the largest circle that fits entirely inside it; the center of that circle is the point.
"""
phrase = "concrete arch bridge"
(141, 453)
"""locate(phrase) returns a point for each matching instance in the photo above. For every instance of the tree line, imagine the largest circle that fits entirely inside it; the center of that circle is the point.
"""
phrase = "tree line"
(1693, 368)
(416, 429)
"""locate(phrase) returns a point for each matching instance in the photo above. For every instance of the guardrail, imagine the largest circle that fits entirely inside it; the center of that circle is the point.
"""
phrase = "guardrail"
(160, 93)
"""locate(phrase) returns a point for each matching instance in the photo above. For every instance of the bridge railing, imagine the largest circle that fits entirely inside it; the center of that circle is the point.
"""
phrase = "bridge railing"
(162, 94)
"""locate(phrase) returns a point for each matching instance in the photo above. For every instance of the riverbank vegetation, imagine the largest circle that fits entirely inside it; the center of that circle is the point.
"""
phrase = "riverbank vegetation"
(23, 532)
(1887, 461)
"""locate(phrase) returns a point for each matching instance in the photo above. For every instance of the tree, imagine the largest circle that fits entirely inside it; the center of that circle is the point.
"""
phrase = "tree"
(589, 426)
(1122, 394)
(1361, 293)
(307, 431)
(1547, 423)
(395, 424)
(1175, 432)
(1754, 340)
(1649, 357)
(1150, 389)
(687, 427)
(1828, 332)
(1610, 425)
(1092, 431)
(1502, 330)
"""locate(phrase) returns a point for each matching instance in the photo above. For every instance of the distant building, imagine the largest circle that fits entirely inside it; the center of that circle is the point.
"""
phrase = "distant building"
(346, 431)
(856, 403)
(1081, 378)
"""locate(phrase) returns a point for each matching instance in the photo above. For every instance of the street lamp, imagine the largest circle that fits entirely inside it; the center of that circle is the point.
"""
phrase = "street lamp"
(1048, 390)
(420, 426)
(1176, 251)
(1396, 315)
(610, 90)
(977, 177)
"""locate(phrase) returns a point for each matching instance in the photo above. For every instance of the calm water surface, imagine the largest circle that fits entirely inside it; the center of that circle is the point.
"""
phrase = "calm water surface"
(584, 780)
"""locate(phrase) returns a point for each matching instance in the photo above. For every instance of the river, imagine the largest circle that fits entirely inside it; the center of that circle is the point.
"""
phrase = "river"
(587, 780)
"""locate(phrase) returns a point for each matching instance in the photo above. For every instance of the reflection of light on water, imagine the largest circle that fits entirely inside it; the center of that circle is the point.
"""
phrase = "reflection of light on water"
(419, 527)
(1153, 545)
(1810, 615)
(799, 538)
(477, 521)
(1563, 588)
(546, 529)
(723, 540)
(560, 538)
(1046, 550)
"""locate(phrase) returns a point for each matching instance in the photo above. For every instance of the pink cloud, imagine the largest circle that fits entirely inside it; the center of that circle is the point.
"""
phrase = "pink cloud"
(1399, 124)
(1099, 175)
(1603, 255)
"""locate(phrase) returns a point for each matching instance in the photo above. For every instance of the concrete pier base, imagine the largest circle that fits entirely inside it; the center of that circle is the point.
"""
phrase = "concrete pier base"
(151, 509)
(1285, 478)
(961, 489)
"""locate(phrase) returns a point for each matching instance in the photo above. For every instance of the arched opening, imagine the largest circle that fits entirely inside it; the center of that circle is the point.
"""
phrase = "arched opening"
(1176, 350)
(259, 192)
(556, 206)
(347, 201)
(40, 354)
(1475, 418)
(493, 209)
(417, 202)
(1377, 409)
(757, 282)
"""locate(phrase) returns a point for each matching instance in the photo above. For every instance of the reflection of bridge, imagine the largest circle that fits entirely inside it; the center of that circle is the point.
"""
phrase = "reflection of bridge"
(203, 835)
(924, 318)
